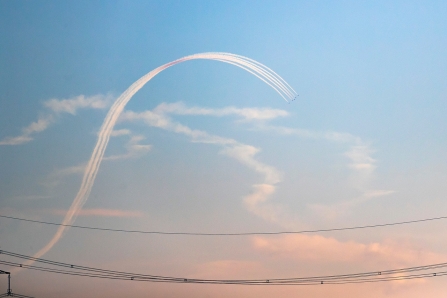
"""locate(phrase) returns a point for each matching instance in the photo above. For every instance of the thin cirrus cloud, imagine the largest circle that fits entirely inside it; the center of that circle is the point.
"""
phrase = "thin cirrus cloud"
(54, 108)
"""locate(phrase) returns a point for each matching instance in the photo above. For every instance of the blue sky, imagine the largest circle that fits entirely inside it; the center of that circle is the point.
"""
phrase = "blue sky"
(364, 142)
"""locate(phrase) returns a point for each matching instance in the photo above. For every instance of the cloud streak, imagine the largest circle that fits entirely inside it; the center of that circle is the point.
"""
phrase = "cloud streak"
(54, 108)
(35, 127)
(22, 139)
(239, 151)
(72, 105)
(247, 114)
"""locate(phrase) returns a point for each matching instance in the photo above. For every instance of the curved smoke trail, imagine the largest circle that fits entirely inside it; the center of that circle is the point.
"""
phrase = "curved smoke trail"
(259, 70)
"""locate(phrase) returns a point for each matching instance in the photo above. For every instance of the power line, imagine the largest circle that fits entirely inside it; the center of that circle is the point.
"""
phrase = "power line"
(365, 277)
(229, 234)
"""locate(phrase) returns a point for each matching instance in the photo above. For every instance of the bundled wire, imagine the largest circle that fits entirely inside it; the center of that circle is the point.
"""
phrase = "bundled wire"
(365, 277)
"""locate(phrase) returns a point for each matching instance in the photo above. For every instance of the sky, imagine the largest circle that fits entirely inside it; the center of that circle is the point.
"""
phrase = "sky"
(210, 148)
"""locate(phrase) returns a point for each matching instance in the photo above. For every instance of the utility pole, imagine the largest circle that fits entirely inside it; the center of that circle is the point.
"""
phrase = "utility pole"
(9, 292)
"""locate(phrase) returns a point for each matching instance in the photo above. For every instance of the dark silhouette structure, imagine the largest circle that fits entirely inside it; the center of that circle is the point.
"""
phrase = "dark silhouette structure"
(9, 292)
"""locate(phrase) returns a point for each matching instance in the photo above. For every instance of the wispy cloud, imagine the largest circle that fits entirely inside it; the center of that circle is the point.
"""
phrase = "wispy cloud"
(35, 127)
(55, 107)
(100, 212)
(164, 122)
(134, 148)
(359, 154)
(361, 163)
(72, 105)
(79, 169)
(22, 139)
(40, 125)
(257, 203)
(246, 113)
(120, 132)
(245, 154)
(241, 152)
(333, 211)
(341, 137)
(377, 193)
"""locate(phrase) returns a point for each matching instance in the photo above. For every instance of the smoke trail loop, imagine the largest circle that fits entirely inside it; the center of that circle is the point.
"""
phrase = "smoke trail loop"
(259, 70)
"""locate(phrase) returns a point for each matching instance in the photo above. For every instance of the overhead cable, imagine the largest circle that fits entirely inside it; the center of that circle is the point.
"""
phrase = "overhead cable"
(365, 277)
(231, 234)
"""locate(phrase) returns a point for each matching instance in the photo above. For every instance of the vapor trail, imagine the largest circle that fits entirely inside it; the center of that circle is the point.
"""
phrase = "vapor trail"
(259, 70)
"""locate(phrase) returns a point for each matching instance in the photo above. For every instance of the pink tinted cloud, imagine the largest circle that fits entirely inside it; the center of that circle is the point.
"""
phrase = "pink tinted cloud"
(316, 248)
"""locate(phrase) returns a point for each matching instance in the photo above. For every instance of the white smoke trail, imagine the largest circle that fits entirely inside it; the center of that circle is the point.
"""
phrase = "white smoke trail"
(259, 70)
